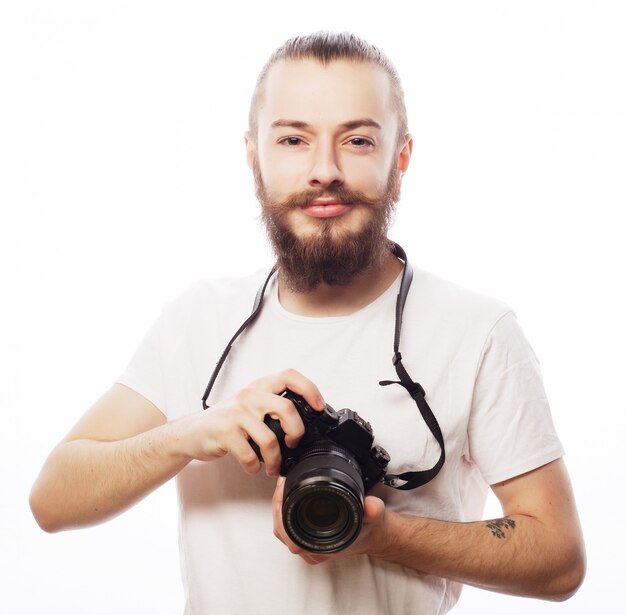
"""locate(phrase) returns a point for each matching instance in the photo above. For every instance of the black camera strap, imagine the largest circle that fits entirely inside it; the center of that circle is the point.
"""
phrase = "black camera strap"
(411, 480)
(406, 480)
(256, 310)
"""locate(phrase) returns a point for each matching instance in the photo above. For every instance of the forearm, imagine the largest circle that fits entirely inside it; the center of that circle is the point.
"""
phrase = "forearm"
(516, 555)
(86, 481)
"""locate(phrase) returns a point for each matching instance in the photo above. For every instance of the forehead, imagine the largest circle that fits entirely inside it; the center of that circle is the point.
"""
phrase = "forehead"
(308, 91)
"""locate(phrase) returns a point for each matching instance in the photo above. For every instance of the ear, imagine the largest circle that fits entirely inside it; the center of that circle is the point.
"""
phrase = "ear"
(250, 149)
(404, 157)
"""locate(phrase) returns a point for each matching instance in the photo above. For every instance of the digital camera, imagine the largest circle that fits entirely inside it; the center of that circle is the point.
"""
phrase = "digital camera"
(328, 474)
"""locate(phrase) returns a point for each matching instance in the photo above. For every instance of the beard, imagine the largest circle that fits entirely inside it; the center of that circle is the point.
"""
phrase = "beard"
(330, 255)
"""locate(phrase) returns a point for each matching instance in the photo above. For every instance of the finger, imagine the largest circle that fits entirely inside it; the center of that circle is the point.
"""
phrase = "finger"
(373, 510)
(279, 529)
(277, 509)
(267, 442)
(296, 382)
(312, 559)
(290, 420)
(260, 403)
(240, 448)
(277, 497)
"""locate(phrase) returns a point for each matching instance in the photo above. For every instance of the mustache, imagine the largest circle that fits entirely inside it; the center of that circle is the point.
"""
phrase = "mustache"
(345, 195)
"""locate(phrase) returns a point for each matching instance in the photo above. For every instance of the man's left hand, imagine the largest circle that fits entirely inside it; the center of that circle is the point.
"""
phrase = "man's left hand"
(372, 530)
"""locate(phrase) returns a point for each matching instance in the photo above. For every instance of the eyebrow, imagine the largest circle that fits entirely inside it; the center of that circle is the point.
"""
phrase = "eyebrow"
(351, 125)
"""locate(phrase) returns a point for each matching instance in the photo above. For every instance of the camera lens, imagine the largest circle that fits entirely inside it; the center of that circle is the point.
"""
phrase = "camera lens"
(323, 504)
(322, 513)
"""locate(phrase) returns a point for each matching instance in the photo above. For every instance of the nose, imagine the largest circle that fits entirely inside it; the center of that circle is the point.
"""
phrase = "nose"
(325, 170)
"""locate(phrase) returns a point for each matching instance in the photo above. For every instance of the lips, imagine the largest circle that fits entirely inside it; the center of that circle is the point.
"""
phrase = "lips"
(326, 209)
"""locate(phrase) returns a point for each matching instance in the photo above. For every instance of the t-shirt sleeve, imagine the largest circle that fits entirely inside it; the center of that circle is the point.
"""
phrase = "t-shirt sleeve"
(510, 429)
(144, 373)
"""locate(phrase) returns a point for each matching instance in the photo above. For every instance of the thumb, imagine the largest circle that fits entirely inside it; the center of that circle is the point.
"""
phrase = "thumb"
(374, 509)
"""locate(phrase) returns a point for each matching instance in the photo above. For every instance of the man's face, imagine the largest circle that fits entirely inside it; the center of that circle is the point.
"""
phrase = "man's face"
(327, 167)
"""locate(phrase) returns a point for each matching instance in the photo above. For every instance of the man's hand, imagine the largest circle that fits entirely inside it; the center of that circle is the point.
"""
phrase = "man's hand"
(227, 426)
(123, 447)
(371, 532)
(535, 550)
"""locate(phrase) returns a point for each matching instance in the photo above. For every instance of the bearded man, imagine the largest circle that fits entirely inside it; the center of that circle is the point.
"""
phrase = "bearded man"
(328, 145)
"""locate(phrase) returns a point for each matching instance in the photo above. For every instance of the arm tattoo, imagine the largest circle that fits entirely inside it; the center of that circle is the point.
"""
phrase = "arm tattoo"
(497, 526)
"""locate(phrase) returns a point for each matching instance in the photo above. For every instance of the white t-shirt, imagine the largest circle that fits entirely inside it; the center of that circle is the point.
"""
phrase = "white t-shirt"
(482, 382)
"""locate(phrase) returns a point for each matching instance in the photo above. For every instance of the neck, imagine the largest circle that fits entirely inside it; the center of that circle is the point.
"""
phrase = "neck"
(325, 300)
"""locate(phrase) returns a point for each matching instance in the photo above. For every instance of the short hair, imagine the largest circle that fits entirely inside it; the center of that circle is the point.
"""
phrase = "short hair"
(326, 47)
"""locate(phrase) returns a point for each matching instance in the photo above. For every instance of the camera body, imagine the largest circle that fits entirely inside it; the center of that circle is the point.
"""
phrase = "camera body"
(328, 474)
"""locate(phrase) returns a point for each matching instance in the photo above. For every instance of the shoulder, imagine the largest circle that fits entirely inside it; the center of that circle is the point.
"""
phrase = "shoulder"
(217, 295)
(209, 308)
(449, 305)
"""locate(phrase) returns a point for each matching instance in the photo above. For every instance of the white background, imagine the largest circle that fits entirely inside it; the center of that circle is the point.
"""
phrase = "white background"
(123, 179)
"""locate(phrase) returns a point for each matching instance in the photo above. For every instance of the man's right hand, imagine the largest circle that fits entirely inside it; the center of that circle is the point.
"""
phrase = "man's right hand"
(123, 448)
(226, 426)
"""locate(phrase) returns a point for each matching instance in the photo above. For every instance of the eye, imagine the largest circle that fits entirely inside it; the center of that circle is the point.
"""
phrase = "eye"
(291, 141)
(360, 142)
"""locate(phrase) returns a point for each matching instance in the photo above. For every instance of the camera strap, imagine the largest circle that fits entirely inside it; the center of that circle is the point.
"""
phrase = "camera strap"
(256, 309)
(406, 480)
(411, 480)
